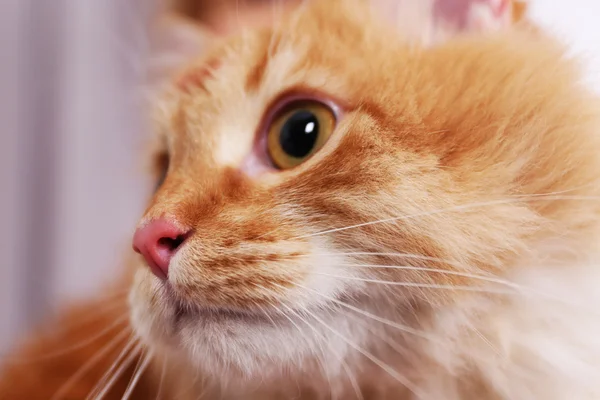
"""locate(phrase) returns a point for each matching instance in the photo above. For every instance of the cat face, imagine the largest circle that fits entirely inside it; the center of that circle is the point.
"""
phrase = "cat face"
(325, 170)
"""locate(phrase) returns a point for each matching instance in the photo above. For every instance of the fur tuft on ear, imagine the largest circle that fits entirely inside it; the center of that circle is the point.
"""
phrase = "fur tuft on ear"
(175, 41)
(434, 21)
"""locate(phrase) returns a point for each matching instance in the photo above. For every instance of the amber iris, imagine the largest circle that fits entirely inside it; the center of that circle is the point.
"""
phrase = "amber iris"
(298, 132)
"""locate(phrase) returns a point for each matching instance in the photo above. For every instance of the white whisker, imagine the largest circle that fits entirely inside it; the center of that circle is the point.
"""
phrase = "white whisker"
(115, 364)
(119, 372)
(555, 193)
(512, 288)
(401, 327)
(485, 340)
(345, 366)
(464, 207)
(386, 367)
(436, 271)
(162, 379)
(388, 254)
(137, 375)
(421, 285)
(265, 312)
(91, 362)
(300, 331)
(384, 338)
(77, 346)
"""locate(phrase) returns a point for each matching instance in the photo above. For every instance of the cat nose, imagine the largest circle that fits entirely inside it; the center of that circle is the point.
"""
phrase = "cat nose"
(158, 241)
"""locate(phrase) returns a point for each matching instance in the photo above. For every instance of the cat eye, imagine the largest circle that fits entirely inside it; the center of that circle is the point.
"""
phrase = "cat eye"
(298, 131)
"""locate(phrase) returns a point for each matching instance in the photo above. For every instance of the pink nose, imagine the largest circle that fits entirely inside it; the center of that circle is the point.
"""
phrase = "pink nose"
(158, 241)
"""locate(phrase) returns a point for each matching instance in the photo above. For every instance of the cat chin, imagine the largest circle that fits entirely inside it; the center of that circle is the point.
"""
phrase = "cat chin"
(239, 349)
(241, 345)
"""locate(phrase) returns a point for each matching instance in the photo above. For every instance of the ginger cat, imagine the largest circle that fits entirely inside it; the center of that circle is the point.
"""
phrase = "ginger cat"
(346, 209)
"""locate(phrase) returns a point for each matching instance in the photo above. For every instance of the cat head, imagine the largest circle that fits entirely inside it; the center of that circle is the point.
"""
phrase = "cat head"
(325, 174)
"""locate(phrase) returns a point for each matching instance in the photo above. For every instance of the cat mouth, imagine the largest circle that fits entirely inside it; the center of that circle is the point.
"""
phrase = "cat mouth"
(184, 311)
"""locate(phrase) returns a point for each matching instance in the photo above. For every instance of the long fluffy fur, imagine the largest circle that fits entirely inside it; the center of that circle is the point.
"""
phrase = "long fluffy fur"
(471, 164)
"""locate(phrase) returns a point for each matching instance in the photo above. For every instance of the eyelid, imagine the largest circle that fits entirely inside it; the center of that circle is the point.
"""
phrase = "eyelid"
(259, 161)
(285, 101)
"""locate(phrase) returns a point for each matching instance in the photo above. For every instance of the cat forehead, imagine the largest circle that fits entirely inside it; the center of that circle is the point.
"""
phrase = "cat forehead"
(225, 99)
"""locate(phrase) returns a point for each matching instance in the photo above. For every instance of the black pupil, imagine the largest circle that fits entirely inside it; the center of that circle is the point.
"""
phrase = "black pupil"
(299, 134)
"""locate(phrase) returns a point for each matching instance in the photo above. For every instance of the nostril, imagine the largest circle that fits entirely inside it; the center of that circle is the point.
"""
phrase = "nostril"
(158, 242)
(167, 247)
(171, 244)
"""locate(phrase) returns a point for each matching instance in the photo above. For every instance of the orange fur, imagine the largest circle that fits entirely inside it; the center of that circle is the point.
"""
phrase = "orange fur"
(479, 154)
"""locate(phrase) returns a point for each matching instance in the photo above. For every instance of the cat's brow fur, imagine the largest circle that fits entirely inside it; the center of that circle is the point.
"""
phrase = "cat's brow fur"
(478, 156)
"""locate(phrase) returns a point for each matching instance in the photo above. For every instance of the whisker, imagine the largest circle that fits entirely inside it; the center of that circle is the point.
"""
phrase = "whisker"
(386, 367)
(111, 302)
(300, 331)
(265, 312)
(555, 193)
(132, 343)
(119, 372)
(485, 340)
(387, 254)
(513, 288)
(204, 389)
(519, 289)
(384, 338)
(97, 312)
(162, 379)
(435, 270)
(63, 390)
(343, 363)
(402, 350)
(464, 207)
(420, 285)
(137, 375)
(77, 346)
(401, 327)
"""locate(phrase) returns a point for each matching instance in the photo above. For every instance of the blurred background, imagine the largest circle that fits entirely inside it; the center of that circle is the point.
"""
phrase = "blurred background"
(73, 130)
(71, 182)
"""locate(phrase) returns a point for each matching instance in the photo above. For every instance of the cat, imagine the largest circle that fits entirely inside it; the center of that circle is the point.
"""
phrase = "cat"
(344, 211)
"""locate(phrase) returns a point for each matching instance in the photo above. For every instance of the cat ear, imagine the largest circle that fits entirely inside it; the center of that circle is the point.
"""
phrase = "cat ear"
(434, 21)
(175, 40)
